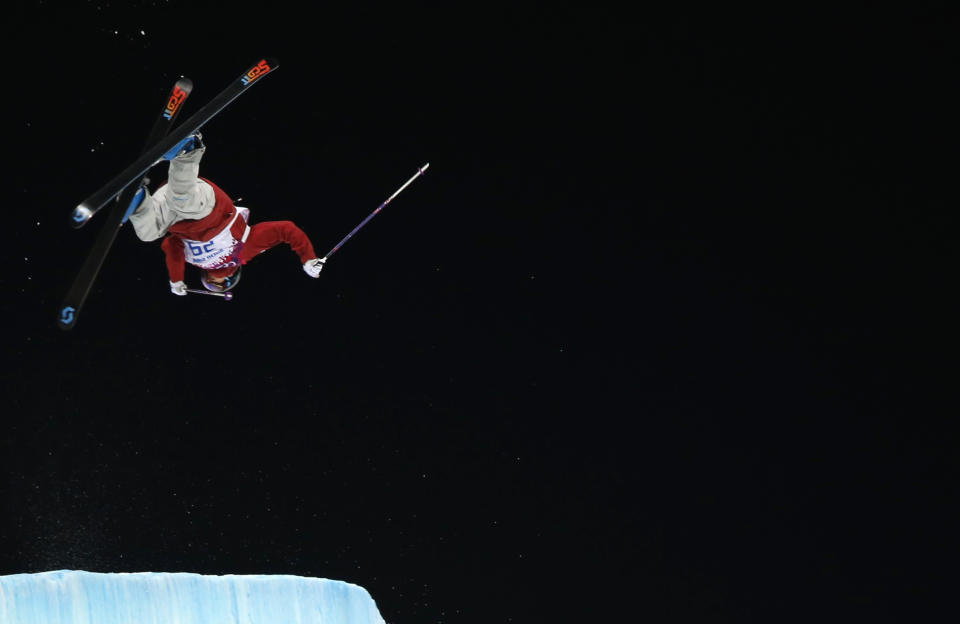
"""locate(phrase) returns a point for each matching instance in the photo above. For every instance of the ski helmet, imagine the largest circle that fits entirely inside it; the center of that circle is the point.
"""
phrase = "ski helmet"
(223, 286)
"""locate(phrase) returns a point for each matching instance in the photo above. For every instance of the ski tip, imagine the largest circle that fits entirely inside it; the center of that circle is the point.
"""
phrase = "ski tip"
(424, 168)
(67, 317)
(259, 70)
(178, 96)
(81, 214)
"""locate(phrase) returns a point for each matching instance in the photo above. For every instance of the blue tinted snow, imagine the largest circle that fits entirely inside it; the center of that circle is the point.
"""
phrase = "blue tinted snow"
(76, 597)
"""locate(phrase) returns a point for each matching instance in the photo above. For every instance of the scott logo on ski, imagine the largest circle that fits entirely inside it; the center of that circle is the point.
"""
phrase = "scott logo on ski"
(67, 314)
(173, 105)
(260, 69)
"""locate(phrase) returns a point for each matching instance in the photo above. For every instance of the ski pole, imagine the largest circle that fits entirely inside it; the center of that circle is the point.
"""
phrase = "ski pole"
(374, 213)
(227, 296)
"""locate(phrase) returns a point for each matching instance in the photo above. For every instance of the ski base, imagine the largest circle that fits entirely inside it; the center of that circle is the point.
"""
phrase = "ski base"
(70, 309)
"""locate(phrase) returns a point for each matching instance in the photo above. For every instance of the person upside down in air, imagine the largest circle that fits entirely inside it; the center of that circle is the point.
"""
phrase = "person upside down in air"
(202, 226)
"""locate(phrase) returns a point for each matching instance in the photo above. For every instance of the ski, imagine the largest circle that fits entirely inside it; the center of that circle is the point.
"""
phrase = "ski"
(90, 206)
(126, 203)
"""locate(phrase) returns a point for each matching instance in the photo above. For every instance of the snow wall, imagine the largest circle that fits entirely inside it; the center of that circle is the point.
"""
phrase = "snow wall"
(76, 597)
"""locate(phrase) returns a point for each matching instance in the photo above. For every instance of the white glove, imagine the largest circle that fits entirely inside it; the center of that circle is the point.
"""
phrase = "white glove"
(178, 288)
(313, 267)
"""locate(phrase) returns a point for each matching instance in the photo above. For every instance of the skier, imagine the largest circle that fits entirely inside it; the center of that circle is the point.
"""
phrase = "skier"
(203, 227)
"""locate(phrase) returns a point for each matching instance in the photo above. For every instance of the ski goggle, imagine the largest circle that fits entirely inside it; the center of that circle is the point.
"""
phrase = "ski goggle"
(220, 286)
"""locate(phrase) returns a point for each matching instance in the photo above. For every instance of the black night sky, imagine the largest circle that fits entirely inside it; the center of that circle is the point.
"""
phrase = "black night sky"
(654, 339)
